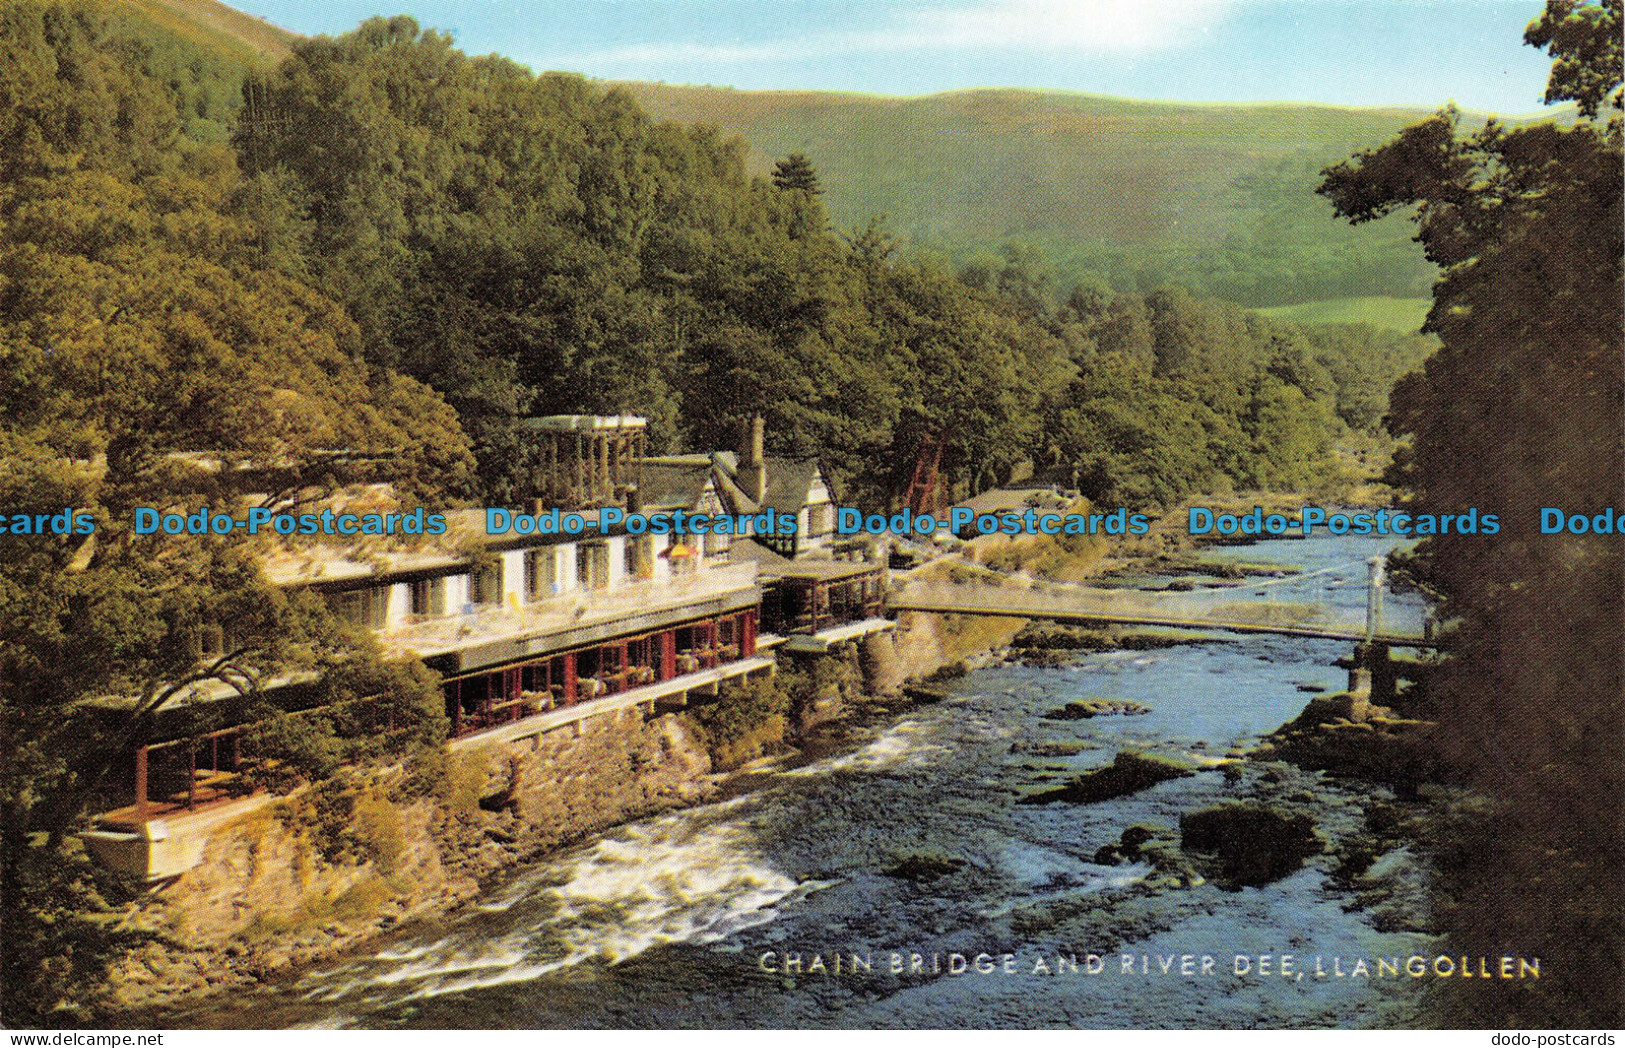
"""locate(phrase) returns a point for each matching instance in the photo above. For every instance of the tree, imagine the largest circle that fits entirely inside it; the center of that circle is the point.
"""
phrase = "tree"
(795, 174)
(1521, 408)
(1584, 41)
(148, 360)
(1175, 395)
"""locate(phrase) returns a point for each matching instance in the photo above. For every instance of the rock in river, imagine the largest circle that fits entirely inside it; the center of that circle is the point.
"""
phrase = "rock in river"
(1127, 773)
(1083, 709)
(925, 867)
(1250, 844)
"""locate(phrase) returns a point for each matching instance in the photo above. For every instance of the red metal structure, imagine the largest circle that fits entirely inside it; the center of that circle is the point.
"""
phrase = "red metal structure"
(925, 488)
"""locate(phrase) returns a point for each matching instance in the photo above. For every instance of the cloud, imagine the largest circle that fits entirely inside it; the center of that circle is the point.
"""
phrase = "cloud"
(1120, 27)
(1113, 26)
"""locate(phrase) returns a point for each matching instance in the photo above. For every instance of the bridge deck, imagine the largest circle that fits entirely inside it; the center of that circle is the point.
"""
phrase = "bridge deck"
(1058, 608)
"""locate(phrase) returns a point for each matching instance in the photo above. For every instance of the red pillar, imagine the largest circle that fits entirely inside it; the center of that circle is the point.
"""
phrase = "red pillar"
(747, 634)
(141, 783)
(668, 654)
(569, 677)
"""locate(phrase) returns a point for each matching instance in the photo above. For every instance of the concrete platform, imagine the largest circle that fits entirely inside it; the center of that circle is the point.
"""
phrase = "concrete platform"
(823, 640)
(164, 848)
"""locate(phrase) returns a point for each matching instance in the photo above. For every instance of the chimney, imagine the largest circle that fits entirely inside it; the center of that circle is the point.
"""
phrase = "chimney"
(752, 460)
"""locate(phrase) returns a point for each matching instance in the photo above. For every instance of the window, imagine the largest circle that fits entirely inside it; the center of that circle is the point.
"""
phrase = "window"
(485, 584)
(592, 565)
(715, 545)
(820, 518)
(365, 607)
(540, 580)
(640, 556)
(428, 598)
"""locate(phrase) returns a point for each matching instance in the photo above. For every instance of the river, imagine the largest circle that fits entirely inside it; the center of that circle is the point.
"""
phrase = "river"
(688, 919)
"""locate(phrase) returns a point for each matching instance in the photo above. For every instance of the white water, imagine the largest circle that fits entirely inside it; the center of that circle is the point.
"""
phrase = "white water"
(668, 880)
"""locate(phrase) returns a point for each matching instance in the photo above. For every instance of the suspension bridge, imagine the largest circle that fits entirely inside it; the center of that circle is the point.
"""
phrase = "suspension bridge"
(1231, 608)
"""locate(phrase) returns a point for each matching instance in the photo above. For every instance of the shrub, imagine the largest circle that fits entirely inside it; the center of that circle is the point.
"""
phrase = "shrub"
(376, 826)
(748, 719)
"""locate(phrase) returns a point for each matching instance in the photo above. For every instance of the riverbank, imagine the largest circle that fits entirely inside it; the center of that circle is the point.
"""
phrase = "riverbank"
(326, 880)
(376, 850)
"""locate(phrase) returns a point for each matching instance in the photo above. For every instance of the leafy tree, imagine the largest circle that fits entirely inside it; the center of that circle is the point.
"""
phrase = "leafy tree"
(1175, 395)
(1125, 439)
(978, 374)
(1362, 364)
(530, 245)
(1520, 409)
(533, 245)
(1584, 42)
(147, 360)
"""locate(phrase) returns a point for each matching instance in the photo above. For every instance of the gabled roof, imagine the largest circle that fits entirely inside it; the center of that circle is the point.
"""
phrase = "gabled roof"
(788, 482)
(675, 482)
(732, 494)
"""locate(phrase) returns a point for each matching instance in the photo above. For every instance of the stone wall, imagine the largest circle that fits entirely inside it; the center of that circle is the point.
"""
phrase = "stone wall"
(926, 641)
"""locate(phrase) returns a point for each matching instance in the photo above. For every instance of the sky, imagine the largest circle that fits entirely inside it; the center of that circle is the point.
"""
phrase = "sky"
(1342, 52)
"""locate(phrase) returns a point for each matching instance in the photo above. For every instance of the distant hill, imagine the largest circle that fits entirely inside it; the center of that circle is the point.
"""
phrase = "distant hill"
(213, 24)
(1217, 196)
(1126, 193)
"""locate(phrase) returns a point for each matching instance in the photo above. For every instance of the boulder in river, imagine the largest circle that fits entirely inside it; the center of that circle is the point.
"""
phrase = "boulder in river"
(1083, 709)
(1127, 773)
(1344, 734)
(1250, 844)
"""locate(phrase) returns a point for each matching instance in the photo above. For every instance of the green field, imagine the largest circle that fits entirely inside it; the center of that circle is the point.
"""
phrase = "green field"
(1404, 315)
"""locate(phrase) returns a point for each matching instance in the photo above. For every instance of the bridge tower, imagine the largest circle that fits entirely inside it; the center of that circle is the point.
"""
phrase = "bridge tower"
(1373, 596)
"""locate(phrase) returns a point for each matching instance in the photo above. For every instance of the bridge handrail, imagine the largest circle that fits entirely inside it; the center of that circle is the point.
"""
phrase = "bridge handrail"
(1329, 629)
